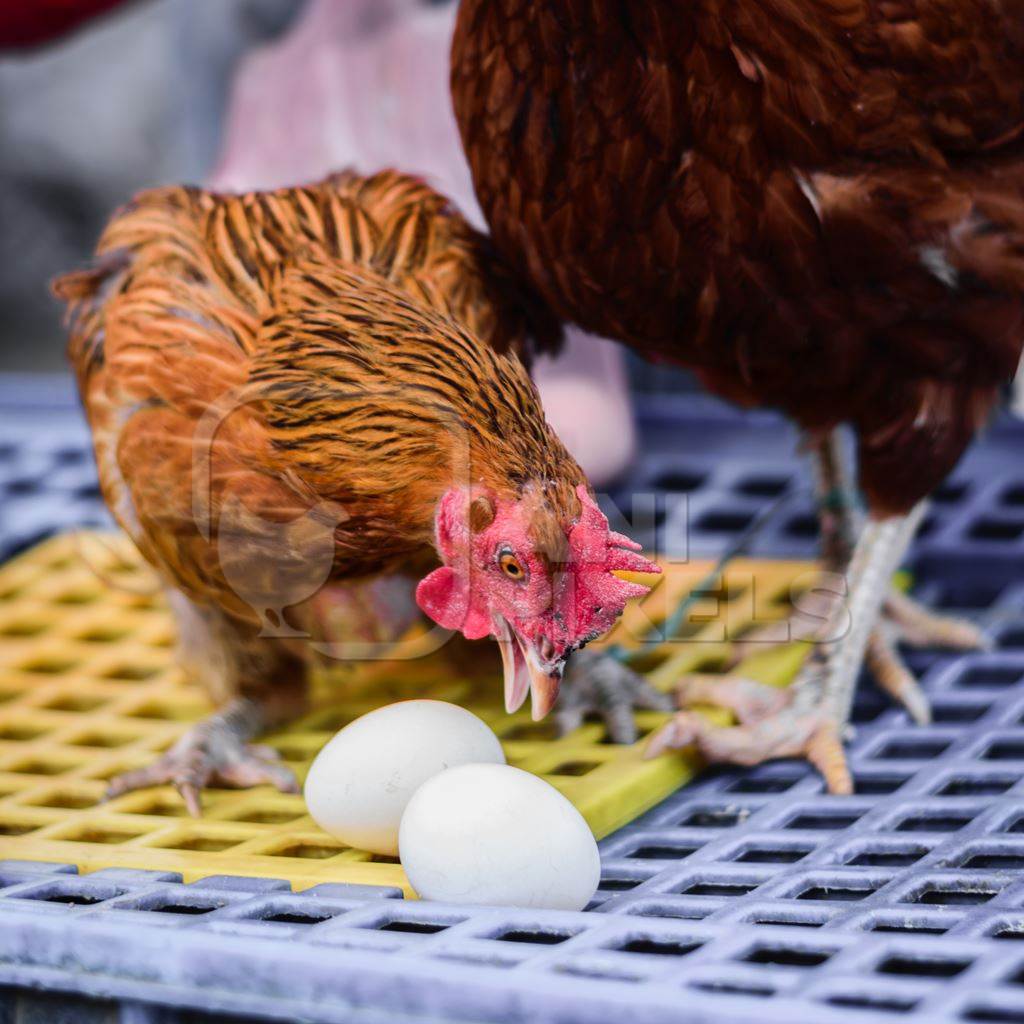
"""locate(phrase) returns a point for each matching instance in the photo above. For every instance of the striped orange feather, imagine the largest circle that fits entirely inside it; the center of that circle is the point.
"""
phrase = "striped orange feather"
(351, 345)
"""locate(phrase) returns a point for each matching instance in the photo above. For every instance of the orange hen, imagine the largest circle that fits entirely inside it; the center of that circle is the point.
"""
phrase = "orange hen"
(318, 386)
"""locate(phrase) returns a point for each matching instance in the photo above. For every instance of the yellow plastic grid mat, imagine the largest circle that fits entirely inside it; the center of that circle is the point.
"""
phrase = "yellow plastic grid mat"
(89, 689)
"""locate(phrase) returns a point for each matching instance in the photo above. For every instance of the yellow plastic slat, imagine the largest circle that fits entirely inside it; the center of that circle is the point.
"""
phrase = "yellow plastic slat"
(89, 688)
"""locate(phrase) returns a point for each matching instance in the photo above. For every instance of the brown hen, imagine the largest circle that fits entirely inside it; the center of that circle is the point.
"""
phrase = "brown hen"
(318, 386)
(816, 205)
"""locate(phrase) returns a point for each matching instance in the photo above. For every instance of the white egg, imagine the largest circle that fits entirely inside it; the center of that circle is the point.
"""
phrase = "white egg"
(359, 784)
(494, 834)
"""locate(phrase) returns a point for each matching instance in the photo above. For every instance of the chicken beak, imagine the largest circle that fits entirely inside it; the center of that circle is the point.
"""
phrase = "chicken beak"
(517, 680)
(525, 674)
(544, 686)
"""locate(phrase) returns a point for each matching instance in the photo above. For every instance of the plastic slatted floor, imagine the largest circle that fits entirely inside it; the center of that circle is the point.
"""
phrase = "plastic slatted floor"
(89, 689)
(704, 476)
(747, 895)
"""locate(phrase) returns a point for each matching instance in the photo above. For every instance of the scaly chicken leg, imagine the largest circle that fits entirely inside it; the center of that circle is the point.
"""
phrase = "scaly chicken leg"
(811, 718)
(902, 620)
(814, 719)
(268, 682)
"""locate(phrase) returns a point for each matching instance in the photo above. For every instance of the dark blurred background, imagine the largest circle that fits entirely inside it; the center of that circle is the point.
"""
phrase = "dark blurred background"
(133, 99)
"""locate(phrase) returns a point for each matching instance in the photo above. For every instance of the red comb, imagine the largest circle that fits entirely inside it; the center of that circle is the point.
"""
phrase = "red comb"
(597, 553)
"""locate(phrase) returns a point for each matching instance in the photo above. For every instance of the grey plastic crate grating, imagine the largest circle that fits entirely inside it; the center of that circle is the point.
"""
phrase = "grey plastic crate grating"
(747, 896)
(47, 474)
(252, 947)
(704, 475)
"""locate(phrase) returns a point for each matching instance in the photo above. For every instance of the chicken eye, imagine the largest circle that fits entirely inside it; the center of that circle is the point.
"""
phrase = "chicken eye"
(510, 566)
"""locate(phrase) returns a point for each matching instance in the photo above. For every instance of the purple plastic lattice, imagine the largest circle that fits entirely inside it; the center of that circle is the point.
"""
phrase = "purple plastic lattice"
(747, 896)
(47, 475)
(713, 469)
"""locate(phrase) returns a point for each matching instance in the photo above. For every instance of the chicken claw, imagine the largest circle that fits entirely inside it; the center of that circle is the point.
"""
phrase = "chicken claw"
(773, 723)
(903, 622)
(918, 626)
(210, 754)
(598, 683)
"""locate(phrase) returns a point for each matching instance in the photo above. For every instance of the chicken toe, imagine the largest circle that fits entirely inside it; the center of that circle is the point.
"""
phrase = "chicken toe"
(747, 699)
(212, 753)
(893, 676)
(916, 625)
(596, 683)
(773, 723)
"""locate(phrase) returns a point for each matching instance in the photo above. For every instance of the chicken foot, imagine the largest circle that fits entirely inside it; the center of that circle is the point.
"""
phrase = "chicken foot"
(216, 752)
(773, 722)
(597, 683)
(258, 683)
(902, 620)
(814, 718)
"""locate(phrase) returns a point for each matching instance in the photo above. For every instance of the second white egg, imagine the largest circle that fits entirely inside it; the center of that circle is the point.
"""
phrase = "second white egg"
(497, 835)
(359, 784)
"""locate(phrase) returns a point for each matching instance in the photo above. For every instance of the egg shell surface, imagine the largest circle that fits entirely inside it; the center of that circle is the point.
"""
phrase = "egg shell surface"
(497, 835)
(360, 782)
